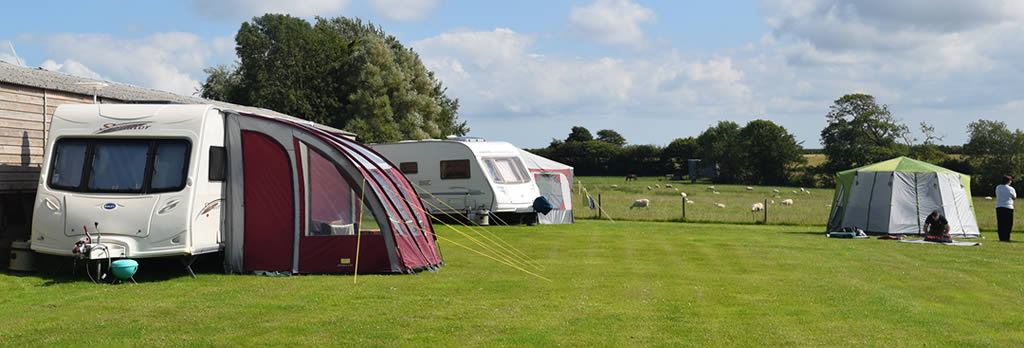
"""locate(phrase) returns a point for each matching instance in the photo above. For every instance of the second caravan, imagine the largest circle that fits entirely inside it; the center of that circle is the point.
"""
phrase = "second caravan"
(468, 176)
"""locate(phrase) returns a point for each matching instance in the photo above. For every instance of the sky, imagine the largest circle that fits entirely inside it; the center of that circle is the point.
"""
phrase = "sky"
(528, 71)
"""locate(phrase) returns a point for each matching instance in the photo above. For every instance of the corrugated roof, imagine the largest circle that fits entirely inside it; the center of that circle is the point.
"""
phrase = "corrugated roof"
(52, 80)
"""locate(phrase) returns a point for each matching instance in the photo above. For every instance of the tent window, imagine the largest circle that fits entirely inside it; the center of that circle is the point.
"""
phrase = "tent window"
(330, 199)
(409, 167)
(507, 170)
(455, 169)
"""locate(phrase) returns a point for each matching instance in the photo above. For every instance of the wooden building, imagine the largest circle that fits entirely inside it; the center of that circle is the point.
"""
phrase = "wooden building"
(28, 98)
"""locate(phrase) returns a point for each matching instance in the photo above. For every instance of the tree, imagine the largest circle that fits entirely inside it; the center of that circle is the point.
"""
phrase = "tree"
(860, 132)
(338, 72)
(611, 137)
(770, 153)
(579, 134)
(675, 156)
(719, 145)
(993, 151)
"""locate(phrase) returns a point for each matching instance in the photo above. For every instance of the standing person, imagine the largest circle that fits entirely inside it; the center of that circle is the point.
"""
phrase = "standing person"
(1005, 194)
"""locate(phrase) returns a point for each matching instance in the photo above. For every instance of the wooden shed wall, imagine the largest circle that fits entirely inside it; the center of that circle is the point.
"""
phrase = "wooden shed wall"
(25, 115)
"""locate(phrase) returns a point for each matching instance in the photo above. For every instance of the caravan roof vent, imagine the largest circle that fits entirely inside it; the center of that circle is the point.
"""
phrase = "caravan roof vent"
(466, 139)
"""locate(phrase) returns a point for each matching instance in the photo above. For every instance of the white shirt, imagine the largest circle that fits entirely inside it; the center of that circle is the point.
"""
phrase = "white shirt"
(1005, 194)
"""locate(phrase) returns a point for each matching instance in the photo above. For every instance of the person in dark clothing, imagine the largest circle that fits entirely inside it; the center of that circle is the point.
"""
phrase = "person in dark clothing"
(936, 228)
(1005, 194)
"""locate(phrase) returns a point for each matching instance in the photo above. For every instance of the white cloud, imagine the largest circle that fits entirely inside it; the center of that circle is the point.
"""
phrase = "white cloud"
(165, 61)
(71, 67)
(234, 10)
(495, 75)
(403, 10)
(615, 22)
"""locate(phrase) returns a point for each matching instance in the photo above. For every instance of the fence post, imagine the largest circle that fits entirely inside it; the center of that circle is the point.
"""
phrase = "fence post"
(684, 208)
(600, 207)
(766, 211)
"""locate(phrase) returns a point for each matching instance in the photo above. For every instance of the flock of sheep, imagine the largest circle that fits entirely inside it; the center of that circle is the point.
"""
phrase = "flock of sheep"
(756, 207)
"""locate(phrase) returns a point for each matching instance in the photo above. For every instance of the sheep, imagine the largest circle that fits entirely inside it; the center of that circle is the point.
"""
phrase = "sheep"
(788, 201)
(640, 203)
(657, 186)
(668, 185)
(750, 188)
(802, 190)
(711, 188)
(988, 198)
(683, 194)
(775, 190)
(772, 201)
(720, 205)
(648, 187)
(794, 191)
(807, 192)
(717, 193)
(615, 186)
(757, 207)
(688, 201)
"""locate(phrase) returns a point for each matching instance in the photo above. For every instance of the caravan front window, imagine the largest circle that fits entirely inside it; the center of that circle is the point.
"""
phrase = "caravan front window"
(120, 165)
(507, 170)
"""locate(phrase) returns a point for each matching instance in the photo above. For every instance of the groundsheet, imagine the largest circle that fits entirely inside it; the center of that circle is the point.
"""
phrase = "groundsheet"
(920, 241)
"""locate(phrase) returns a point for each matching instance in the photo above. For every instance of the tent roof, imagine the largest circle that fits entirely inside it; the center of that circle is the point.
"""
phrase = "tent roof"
(900, 164)
(537, 162)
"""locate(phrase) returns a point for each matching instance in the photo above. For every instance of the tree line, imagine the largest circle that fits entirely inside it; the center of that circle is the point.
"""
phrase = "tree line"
(859, 132)
(759, 152)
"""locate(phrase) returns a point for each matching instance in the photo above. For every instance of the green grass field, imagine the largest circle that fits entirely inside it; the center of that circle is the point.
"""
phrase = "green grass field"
(624, 284)
(666, 203)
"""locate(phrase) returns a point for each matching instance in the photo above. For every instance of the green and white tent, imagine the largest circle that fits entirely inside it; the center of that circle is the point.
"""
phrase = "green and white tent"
(895, 196)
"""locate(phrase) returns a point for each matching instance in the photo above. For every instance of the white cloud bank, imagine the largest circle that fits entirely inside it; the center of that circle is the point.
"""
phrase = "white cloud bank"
(235, 10)
(614, 22)
(166, 61)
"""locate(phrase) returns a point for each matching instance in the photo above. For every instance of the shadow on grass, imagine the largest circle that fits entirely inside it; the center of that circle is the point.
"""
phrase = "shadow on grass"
(64, 270)
(806, 232)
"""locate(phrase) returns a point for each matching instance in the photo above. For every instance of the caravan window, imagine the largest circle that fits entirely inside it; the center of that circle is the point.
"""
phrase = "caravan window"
(455, 169)
(409, 167)
(507, 170)
(68, 161)
(120, 165)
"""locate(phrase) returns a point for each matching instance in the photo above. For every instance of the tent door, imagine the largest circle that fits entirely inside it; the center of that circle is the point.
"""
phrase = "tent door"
(269, 207)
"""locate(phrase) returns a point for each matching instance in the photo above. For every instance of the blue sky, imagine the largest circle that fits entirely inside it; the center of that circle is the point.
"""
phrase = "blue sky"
(527, 71)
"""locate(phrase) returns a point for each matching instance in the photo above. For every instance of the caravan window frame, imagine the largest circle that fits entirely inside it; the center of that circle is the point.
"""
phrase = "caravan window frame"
(147, 180)
(516, 168)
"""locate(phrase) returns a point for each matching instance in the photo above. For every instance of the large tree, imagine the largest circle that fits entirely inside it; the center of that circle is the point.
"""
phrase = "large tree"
(994, 150)
(770, 153)
(579, 134)
(340, 72)
(720, 145)
(611, 137)
(675, 156)
(860, 132)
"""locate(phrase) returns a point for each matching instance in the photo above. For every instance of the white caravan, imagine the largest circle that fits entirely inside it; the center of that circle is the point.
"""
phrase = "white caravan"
(140, 186)
(467, 176)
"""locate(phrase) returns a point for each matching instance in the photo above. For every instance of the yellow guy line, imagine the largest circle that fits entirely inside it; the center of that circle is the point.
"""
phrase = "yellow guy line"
(525, 258)
(359, 227)
(471, 238)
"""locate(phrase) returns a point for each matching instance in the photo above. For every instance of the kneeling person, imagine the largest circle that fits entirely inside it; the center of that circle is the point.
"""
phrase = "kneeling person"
(936, 228)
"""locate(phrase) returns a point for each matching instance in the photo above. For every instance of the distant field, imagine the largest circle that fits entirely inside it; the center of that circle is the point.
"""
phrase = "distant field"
(666, 203)
(627, 284)
(815, 159)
